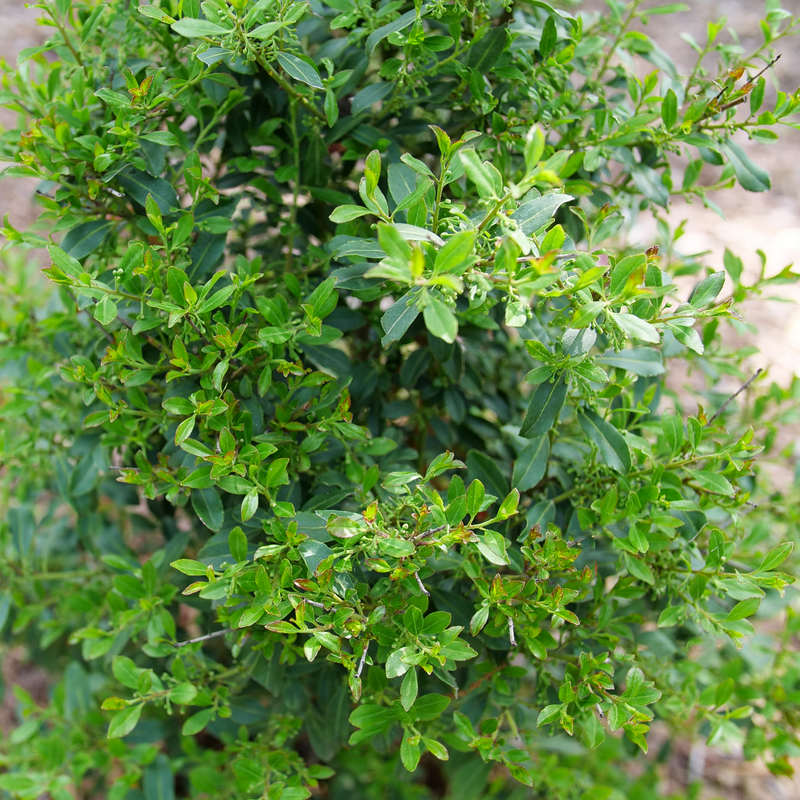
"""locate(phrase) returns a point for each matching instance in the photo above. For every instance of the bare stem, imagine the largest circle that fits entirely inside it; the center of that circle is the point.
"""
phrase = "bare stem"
(202, 638)
(733, 397)
(363, 659)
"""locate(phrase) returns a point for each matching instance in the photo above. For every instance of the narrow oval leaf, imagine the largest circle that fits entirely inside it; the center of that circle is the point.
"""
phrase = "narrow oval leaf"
(613, 448)
(544, 407)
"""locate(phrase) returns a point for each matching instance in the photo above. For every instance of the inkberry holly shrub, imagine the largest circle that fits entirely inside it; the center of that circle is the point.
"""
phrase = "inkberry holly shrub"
(340, 459)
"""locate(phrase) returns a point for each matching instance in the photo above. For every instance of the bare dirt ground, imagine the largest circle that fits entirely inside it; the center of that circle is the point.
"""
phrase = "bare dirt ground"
(768, 222)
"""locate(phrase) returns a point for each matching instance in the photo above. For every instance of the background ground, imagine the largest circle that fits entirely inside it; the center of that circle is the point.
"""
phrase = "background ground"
(768, 222)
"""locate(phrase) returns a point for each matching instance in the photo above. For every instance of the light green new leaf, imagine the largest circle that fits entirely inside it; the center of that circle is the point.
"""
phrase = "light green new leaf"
(440, 320)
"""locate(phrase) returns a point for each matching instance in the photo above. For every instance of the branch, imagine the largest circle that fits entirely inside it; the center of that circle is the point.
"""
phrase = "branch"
(202, 638)
(733, 397)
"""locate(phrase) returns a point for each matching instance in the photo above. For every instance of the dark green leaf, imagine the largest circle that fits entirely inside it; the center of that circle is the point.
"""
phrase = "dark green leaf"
(158, 783)
(544, 407)
(208, 506)
(378, 35)
(139, 184)
(370, 95)
(86, 238)
(612, 446)
(531, 463)
(484, 54)
(398, 319)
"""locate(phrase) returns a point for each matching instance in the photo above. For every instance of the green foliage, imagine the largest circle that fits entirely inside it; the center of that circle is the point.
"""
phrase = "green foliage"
(342, 449)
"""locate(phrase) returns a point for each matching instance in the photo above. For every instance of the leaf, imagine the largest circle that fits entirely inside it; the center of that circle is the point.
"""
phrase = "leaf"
(532, 215)
(637, 328)
(197, 28)
(622, 272)
(105, 312)
(484, 54)
(774, 558)
(65, 262)
(378, 35)
(398, 319)
(249, 505)
(733, 266)
(189, 567)
(408, 689)
(544, 407)
(5, 608)
(208, 506)
(531, 464)
(639, 569)
(184, 430)
(475, 495)
(671, 616)
(123, 722)
(431, 706)
(478, 620)
(348, 213)
(477, 172)
(644, 361)
(743, 609)
(370, 95)
(265, 31)
(125, 671)
(669, 109)
(237, 544)
(612, 446)
(86, 238)
(752, 177)
(205, 254)
(197, 722)
(164, 138)
(139, 184)
(712, 482)
(707, 290)
(456, 255)
(549, 714)
(159, 782)
(409, 753)
(650, 183)
(300, 70)
(412, 620)
(440, 320)
(492, 551)
(481, 465)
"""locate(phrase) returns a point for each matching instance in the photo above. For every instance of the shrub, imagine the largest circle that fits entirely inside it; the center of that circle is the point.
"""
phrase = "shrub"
(344, 444)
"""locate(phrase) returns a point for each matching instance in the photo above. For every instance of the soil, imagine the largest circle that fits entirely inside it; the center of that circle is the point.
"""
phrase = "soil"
(770, 222)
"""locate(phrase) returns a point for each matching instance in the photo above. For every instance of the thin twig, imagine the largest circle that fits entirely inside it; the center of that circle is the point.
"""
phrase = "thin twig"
(425, 534)
(512, 638)
(363, 659)
(197, 330)
(202, 638)
(421, 584)
(733, 397)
